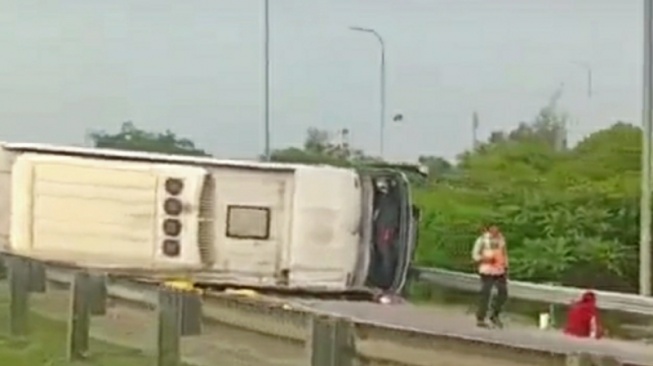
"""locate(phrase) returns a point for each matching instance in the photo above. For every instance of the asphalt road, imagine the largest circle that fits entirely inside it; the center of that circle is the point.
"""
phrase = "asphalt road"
(452, 322)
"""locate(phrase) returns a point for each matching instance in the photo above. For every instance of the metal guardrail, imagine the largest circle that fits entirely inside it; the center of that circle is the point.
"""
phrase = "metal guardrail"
(538, 292)
(377, 340)
(127, 290)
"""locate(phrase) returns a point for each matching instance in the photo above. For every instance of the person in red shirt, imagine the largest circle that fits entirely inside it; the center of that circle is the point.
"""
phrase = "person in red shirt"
(583, 318)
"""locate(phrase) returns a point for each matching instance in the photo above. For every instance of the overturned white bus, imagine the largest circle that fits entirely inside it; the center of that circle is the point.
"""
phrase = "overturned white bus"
(222, 221)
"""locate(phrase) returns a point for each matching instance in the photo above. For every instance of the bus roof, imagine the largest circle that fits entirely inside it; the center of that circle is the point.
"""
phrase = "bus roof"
(156, 157)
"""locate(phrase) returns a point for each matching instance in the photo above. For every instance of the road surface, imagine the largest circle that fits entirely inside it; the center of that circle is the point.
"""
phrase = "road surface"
(453, 322)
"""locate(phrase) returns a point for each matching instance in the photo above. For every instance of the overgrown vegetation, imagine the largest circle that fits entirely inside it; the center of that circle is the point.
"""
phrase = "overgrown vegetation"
(570, 214)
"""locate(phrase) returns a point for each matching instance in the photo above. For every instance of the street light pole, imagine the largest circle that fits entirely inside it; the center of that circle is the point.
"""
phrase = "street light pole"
(266, 118)
(589, 82)
(647, 129)
(590, 89)
(588, 69)
(382, 85)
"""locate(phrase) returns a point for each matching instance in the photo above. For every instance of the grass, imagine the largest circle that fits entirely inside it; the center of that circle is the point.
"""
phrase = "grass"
(46, 345)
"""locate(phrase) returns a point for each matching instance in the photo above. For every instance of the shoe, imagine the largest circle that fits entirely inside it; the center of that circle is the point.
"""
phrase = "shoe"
(496, 322)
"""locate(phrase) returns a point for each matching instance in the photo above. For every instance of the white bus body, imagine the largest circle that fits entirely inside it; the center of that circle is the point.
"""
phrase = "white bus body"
(248, 223)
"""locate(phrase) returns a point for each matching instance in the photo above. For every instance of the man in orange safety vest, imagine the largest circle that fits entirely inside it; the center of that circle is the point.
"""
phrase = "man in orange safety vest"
(491, 256)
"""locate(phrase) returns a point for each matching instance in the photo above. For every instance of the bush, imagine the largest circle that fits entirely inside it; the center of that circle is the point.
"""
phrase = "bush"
(568, 216)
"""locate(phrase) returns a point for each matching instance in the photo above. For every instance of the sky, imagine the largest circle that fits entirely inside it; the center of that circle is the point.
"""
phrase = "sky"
(196, 67)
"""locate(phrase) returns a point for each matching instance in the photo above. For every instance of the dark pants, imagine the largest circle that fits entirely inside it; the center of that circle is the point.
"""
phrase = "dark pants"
(385, 256)
(488, 282)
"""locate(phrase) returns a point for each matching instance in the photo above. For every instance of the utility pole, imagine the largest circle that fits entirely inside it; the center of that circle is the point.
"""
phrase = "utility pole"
(590, 87)
(647, 129)
(475, 124)
(382, 86)
(266, 97)
(560, 122)
(588, 69)
(561, 134)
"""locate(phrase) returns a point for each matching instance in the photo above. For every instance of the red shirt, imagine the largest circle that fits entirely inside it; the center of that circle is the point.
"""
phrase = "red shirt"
(583, 318)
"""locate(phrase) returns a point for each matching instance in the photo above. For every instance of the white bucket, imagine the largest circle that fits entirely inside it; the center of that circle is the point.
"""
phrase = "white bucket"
(545, 321)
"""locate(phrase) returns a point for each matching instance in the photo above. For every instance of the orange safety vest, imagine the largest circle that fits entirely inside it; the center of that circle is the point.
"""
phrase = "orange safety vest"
(493, 256)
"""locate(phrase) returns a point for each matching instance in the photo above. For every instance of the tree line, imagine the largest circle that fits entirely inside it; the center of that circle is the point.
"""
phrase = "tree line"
(570, 215)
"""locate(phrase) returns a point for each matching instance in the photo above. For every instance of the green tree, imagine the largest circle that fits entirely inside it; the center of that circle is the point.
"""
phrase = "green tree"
(129, 137)
(570, 216)
(319, 148)
(547, 128)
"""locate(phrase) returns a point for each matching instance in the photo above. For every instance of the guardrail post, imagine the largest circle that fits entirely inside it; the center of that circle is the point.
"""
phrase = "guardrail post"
(578, 359)
(3, 267)
(98, 294)
(19, 269)
(411, 278)
(345, 346)
(320, 350)
(79, 321)
(169, 323)
(586, 359)
(191, 314)
(331, 341)
(36, 277)
(609, 361)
